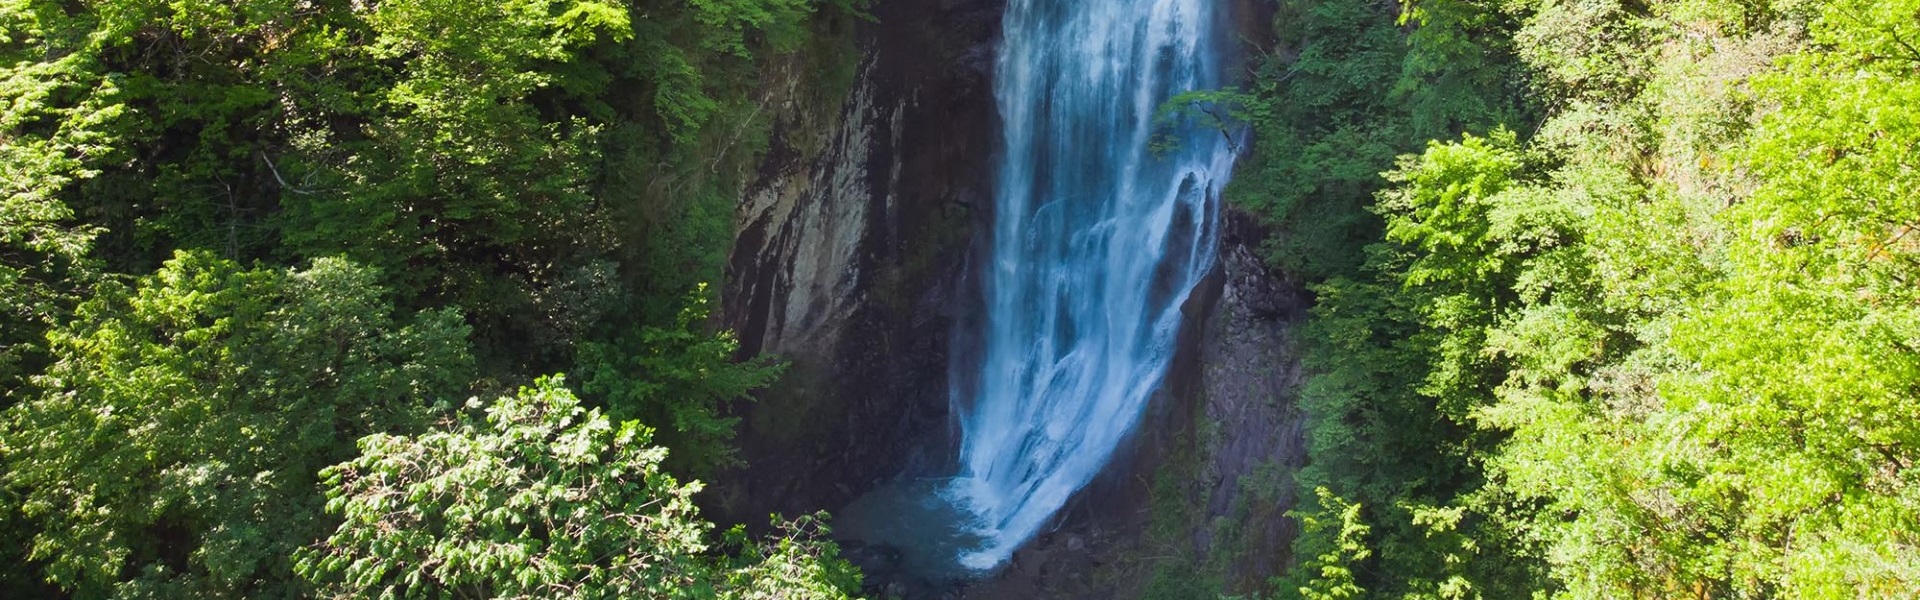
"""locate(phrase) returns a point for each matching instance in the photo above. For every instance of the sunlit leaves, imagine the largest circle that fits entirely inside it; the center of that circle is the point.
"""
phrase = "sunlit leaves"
(1700, 377)
(456, 149)
(542, 498)
(681, 377)
(186, 415)
(1338, 522)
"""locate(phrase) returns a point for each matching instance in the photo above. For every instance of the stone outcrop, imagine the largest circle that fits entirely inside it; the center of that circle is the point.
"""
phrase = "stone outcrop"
(1199, 501)
(852, 247)
(1252, 434)
(852, 262)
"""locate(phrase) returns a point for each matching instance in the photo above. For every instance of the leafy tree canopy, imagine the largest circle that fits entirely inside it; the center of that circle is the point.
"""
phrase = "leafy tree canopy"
(174, 452)
(543, 499)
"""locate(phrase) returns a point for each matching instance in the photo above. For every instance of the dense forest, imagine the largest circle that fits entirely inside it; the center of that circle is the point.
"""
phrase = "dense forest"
(258, 255)
(313, 298)
(1614, 299)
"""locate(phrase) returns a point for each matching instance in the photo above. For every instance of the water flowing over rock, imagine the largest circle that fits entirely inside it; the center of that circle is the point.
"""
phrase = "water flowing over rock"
(1104, 223)
(849, 249)
(863, 255)
(1198, 495)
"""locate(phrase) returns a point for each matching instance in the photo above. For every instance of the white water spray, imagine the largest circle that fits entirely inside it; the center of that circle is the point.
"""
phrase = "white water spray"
(1097, 243)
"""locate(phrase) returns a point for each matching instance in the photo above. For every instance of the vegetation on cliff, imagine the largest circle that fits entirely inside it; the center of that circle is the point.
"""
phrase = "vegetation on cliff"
(1632, 314)
(1613, 298)
(243, 241)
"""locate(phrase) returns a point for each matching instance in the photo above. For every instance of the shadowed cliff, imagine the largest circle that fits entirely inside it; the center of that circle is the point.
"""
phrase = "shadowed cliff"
(853, 261)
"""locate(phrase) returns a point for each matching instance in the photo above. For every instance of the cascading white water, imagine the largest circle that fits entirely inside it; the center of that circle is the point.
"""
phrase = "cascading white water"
(1097, 242)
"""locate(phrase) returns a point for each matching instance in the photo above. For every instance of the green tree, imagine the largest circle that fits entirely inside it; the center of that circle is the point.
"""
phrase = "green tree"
(542, 499)
(503, 157)
(173, 452)
(1349, 86)
(56, 128)
(1339, 538)
(561, 172)
(1401, 360)
(684, 376)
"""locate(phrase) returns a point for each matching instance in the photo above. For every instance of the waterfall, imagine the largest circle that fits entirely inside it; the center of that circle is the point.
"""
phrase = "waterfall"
(1097, 241)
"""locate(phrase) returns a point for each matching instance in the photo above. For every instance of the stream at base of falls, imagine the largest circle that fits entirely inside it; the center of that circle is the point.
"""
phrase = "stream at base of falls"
(1106, 216)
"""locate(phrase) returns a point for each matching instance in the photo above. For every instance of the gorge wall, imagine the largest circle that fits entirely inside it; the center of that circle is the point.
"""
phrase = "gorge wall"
(849, 251)
(852, 262)
(1197, 504)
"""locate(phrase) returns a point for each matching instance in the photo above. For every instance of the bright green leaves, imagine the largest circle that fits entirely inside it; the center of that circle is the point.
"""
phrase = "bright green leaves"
(1441, 205)
(538, 164)
(186, 415)
(59, 122)
(1800, 419)
(582, 22)
(1343, 535)
(1800, 411)
(1345, 91)
(457, 146)
(1588, 51)
(1480, 262)
(455, 152)
(1492, 263)
(1869, 34)
(1837, 157)
(542, 499)
(682, 377)
(464, 54)
(793, 561)
(1680, 320)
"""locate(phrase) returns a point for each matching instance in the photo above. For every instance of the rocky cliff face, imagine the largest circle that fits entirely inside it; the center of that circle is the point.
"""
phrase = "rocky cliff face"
(1199, 502)
(852, 262)
(851, 248)
(1250, 438)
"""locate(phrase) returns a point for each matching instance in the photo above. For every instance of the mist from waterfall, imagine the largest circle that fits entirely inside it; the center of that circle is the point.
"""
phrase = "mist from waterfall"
(1097, 241)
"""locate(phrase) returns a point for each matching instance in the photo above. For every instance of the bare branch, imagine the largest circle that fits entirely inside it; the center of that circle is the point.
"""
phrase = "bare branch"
(283, 182)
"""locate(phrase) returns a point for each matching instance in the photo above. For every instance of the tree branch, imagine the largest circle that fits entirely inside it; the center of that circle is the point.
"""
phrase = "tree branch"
(283, 182)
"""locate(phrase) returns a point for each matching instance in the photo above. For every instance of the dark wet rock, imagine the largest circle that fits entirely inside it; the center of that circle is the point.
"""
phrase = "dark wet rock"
(851, 251)
(851, 261)
(871, 558)
(1255, 435)
(1226, 437)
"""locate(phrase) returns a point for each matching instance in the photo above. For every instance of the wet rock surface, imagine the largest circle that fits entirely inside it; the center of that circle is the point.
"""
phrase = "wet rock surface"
(1253, 438)
(851, 250)
(852, 262)
(1207, 482)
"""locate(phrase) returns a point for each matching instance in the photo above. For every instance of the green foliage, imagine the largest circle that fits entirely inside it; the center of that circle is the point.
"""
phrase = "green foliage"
(53, 133)
(543, 499)
(1402, 365)
(174, 451)
(1225, 111)
(682, 375)
(1346, 89)
(1330, 568)
(1664, 348)
(456, 153)
(550, 178)
(1769, 411)
(502, 157)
